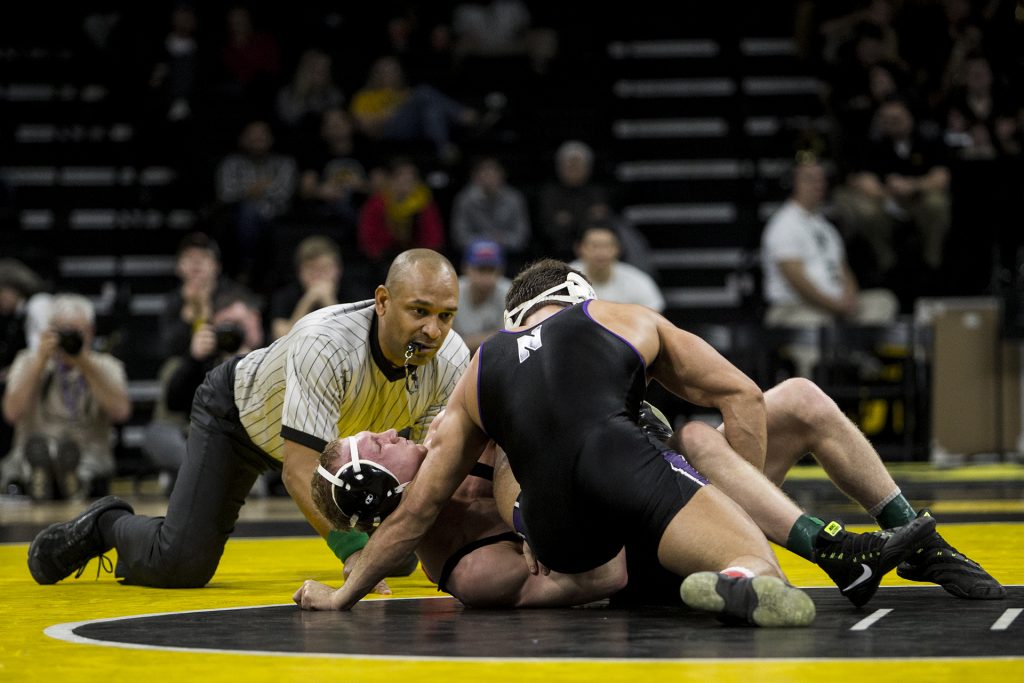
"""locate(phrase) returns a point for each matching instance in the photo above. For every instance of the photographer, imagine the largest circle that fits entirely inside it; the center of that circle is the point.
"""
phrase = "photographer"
(63, 398)
(234, 328)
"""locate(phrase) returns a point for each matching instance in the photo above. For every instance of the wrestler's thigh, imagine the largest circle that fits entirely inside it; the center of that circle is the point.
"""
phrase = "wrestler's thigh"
(709, 533)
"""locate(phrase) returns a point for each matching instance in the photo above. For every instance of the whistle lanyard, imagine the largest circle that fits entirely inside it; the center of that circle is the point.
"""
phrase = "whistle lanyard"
(412, 381)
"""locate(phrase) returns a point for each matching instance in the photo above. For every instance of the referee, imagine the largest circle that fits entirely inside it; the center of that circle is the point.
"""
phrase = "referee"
(389, 362)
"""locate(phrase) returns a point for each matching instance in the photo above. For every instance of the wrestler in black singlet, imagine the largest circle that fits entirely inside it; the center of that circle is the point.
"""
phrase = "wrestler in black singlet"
(562, 399)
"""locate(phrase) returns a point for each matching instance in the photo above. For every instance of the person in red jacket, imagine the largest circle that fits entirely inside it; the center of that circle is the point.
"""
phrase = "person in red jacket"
(402, 215)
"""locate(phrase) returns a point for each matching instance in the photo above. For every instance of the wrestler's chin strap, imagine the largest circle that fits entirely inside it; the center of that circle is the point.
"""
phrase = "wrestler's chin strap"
(355, 464)
(577, 290)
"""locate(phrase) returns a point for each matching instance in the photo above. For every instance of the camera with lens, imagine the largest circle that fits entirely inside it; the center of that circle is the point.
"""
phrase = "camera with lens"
(229, 337)
(70, 341)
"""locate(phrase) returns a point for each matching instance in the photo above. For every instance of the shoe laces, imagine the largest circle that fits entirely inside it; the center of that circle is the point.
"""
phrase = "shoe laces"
(855, 546)
(103, 564)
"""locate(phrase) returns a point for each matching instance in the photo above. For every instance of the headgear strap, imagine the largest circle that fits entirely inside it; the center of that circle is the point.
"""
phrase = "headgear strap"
(577, 290)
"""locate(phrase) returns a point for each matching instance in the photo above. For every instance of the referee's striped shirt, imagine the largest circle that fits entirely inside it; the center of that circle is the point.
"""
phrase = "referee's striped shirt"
(328, 378)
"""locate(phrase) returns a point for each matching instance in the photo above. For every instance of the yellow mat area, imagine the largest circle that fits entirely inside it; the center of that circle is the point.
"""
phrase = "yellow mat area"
(267, 571)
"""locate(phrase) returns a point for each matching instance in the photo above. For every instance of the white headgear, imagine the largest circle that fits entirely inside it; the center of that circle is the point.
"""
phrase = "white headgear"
(577, 290)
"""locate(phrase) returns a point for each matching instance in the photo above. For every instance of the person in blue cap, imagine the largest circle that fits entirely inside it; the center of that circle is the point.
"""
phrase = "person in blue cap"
(482, 289)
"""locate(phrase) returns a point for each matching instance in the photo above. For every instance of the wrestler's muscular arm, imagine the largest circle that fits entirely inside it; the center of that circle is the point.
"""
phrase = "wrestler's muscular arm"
(689, 367)
(452, 452)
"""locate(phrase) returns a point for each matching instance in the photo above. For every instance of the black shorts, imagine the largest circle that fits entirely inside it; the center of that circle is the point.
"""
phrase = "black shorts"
(624, 487)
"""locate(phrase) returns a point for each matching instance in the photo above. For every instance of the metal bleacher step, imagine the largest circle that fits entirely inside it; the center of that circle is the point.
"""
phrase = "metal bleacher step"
(125, 220)
(72, 143)
(702, 131)
(716, 213)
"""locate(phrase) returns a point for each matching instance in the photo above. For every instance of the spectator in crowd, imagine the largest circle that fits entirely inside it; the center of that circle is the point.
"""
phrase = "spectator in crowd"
(400, 216)
(257, 185)
(807, 279)
(177, 105)
(855, 104)
(597, 252)
(489, 208)
(20, 293)
(482, 289)
(572, 200)
(962, 34)
(502, 28)
(250, 59)
(63, 399)
(387, 108)
(840, 31)
(234, 328)
(900, 184)
(189, 306)
(311, 92)
(333, 183)
(174, 80)
(18, 283)
(980, 121)
(318, 283)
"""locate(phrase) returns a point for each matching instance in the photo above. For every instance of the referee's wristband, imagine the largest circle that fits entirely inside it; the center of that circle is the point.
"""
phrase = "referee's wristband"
(344, 543)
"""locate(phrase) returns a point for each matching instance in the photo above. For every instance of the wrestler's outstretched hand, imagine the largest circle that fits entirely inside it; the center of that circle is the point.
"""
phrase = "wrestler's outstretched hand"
(313, 595)
(532, 563)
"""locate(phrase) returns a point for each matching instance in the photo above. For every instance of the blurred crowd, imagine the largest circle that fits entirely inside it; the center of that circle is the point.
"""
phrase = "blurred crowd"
(925, 100)
(317, 152)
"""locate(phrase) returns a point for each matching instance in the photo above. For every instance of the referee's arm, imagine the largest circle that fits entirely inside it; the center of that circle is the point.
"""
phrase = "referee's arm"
(299, 465)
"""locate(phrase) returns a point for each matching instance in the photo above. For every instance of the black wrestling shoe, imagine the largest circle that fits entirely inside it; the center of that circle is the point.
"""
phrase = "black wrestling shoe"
(938, 562)
(857, 562)
(63, 548)
(757, 601)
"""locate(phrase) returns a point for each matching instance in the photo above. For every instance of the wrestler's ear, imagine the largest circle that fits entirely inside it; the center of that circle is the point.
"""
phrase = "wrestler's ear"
(381, 299)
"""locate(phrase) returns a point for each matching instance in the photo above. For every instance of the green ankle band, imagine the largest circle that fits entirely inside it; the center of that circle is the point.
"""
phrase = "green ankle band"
(802, 535)
(896, 512)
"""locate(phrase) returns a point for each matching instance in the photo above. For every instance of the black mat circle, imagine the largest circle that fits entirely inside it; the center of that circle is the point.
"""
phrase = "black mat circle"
(923, 623)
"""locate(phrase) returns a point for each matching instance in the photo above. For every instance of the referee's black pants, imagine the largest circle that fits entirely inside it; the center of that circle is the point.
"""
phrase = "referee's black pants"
(183, 549)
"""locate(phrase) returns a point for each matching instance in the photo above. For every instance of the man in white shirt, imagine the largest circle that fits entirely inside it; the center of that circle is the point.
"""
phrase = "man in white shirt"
(807, 280)
(597, 254)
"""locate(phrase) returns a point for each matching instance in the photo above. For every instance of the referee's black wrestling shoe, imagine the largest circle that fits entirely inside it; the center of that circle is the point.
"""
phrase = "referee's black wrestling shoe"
(857, 562)
(757, 601)
(63, 548)
(938, 562)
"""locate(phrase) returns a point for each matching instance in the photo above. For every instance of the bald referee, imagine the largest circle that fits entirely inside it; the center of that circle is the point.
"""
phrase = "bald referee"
(390, 362)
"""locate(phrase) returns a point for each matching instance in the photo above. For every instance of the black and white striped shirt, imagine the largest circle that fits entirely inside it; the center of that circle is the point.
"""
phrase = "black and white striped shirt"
(321, 381)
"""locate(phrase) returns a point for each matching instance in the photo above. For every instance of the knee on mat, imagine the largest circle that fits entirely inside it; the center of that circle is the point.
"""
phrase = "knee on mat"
(193, 572)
